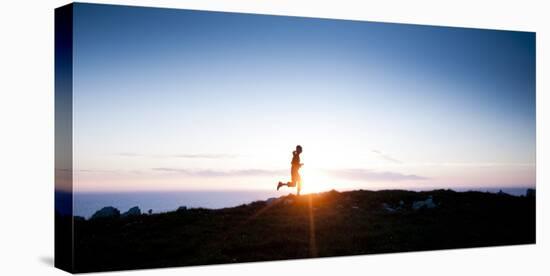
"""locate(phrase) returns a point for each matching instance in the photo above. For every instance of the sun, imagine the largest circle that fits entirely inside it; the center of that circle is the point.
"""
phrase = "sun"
(315, 181)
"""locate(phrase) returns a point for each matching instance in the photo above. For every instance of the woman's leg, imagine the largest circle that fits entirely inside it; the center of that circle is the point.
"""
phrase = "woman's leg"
(288, 184)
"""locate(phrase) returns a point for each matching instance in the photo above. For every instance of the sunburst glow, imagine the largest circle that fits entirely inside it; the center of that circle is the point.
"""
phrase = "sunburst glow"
(315, 180)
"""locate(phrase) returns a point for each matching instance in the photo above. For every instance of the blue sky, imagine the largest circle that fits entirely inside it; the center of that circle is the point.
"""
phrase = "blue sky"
(178, 99)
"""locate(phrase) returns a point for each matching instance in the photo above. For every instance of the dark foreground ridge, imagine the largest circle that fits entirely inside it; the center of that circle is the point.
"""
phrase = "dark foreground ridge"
(317, 225)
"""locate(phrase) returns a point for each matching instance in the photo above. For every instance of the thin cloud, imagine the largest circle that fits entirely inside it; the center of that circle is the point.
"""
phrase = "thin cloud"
(220, 173)
(363, 174)
(386, 157)
(205, 156)
(469, 164)
(183, 155)
(95, 171)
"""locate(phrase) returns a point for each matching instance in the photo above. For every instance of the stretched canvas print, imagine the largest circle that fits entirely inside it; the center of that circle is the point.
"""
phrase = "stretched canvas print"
(188, 137)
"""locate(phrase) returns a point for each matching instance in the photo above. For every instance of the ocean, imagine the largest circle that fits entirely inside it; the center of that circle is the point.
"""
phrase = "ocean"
(86, 204)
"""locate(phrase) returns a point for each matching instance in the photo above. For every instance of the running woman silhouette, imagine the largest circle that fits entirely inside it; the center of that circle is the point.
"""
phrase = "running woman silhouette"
(296, 179)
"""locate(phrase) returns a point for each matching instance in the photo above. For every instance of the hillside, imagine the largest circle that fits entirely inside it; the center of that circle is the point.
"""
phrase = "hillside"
(289, 227)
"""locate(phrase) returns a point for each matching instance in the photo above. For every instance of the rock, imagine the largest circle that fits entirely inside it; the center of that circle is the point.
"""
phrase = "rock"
(388, 208)
(288, 201)
(271, 200)
(106, 212)
(134, 211)
(428, 203)
(417, 205)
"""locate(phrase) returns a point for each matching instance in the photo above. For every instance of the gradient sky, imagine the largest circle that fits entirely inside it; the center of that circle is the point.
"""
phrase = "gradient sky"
(190, 100)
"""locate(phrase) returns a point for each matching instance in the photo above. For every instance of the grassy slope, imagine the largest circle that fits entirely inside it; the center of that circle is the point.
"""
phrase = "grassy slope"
(345, 223)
